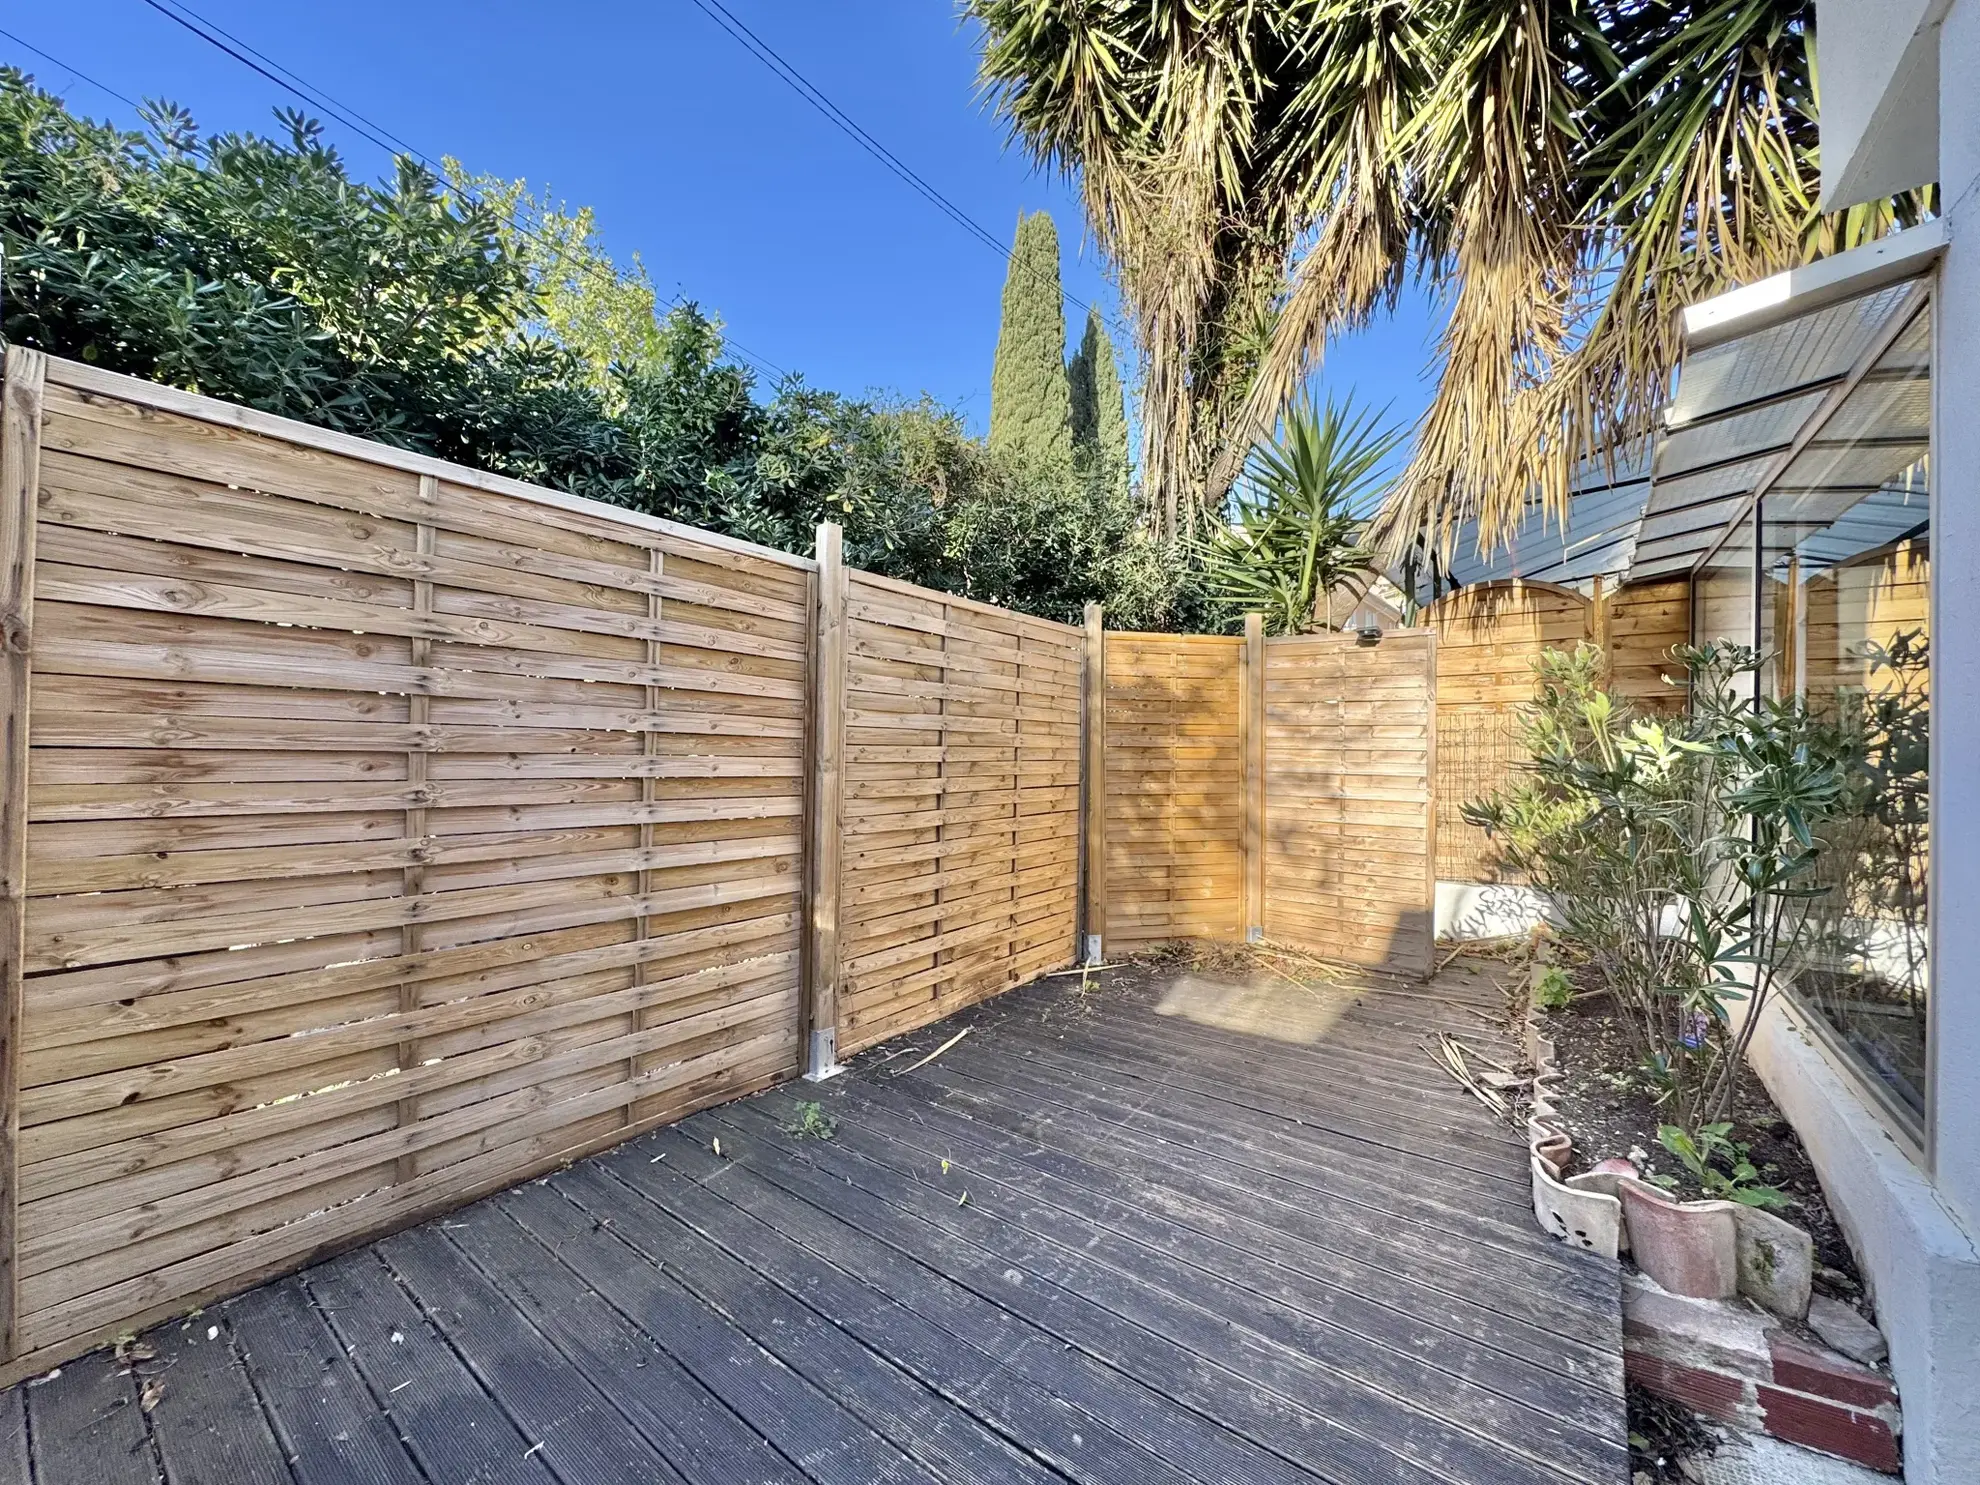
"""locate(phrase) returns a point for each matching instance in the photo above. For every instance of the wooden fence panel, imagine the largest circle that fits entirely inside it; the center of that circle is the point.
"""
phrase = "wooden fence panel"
(393, 833)
(1174, 796)
(960, 823)
(1489, 638)
(1350, 818)
(1641, 625)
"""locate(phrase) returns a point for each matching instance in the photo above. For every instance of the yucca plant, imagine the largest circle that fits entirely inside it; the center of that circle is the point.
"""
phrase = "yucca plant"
(1293, 543)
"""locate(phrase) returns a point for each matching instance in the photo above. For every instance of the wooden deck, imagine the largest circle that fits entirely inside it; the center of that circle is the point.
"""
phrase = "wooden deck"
(1107, 1237)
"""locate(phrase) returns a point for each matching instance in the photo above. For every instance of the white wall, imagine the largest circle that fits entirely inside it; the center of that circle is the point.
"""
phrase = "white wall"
(1880, 96)
(1956, 640)
(1920, 1260)
(1474, 910)
(1914, 1225)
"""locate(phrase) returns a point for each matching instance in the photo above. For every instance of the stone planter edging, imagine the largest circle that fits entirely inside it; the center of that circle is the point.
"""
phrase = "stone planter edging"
(1584, 1210)
(1704, 1249)
(1687, 1336)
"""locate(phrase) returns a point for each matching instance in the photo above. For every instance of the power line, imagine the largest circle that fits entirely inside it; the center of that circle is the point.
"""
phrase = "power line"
(316, 97)
(768, 55)
(76, 72)
(291, 82)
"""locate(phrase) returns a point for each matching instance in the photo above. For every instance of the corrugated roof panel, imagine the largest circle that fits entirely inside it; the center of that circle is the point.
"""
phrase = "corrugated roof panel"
(1715, 440)
(1884, 408)
(1892, 514)
(1595, 539)
(1809, 350)
(1742, 403)
(1688, 492)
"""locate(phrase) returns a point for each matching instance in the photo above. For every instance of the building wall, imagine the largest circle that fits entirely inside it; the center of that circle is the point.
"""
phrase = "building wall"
(1956, 595)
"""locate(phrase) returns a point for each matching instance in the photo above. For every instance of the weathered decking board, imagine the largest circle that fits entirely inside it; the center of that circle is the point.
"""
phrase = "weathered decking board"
(1105, 1238)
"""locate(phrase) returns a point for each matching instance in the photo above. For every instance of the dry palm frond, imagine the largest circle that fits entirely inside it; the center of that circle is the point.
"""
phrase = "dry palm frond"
(924, 1061)
(1496, 138)
(1696, 171)
(1262, 174)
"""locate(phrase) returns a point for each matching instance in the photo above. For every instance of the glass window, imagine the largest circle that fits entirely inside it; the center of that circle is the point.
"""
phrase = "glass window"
(1844, 613)
(1722, 590)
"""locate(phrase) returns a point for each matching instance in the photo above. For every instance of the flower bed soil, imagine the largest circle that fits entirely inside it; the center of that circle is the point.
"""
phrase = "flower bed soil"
(1610, 1111)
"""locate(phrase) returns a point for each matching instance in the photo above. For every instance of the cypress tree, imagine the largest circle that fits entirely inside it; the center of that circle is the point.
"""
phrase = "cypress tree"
(1030, 408)
(1099, 406)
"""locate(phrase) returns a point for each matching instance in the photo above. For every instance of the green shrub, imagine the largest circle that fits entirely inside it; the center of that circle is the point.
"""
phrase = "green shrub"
(1680, 855)
(258, 271)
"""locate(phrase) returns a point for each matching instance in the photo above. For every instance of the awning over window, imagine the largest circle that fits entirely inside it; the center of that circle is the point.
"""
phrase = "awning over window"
(1812, 388)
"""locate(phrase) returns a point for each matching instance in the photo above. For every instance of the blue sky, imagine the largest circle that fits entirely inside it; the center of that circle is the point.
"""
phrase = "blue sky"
(734, 191)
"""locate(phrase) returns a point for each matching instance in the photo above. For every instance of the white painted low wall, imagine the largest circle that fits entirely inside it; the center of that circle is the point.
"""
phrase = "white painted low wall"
(1922, 1265)
(1473, 910)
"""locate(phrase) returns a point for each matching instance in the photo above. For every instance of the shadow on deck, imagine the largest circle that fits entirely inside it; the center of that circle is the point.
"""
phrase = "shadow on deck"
(1170, 1230)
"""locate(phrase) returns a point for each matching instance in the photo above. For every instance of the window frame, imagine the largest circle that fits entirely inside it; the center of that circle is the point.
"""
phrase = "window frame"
(1914, 1131)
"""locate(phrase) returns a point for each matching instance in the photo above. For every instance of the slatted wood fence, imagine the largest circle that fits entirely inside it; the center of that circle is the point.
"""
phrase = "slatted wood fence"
(390, 833)
(1875, 598)
(376, 832)
(1277, 788)
(1490, 636)
(1174, 803)
(1639, 626)
(1350, 824)
(960, 824)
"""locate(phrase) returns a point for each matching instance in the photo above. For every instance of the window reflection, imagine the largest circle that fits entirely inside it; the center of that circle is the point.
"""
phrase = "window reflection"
(1844, 616)
(1722, 590)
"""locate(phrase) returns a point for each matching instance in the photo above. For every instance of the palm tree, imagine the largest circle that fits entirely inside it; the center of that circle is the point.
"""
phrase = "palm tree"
(1265, 174)
(1297, 518)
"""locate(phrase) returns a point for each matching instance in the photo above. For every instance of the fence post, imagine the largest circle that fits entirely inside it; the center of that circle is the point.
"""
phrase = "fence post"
(1251, 735)
(825, 781)
(1431, 804)
(412, 884)
(20, 478)
(1093, 791)
(1598, 626)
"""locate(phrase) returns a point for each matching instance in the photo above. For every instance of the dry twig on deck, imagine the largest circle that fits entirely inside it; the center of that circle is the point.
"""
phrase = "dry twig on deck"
(1451, 1054)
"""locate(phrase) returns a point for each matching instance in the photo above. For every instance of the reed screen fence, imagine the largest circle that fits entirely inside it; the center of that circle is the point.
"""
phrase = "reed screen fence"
(1490, 637)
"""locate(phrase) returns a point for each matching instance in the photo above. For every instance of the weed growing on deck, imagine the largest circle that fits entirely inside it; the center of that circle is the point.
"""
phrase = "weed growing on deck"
(812, 1123)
